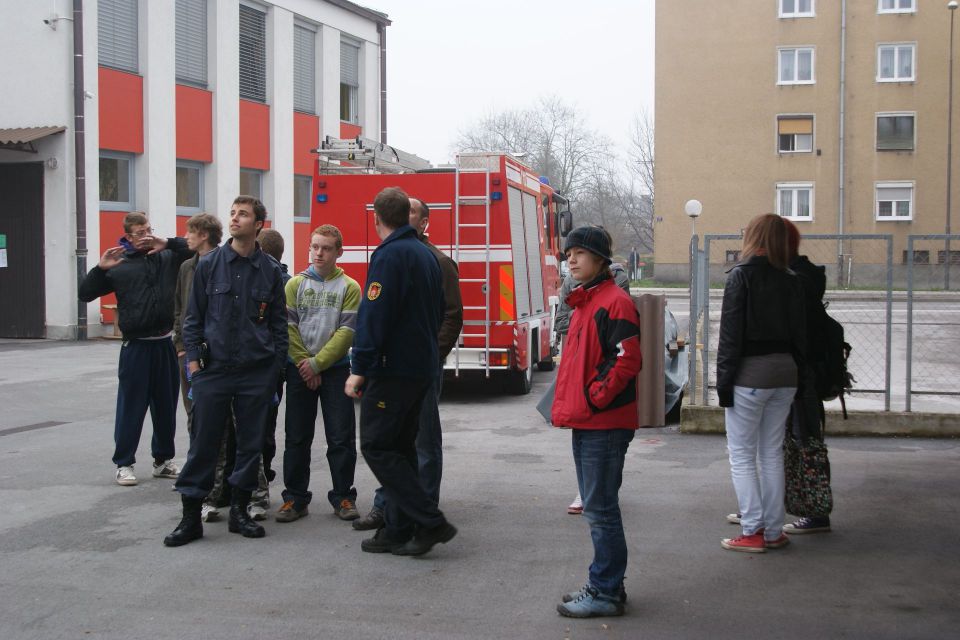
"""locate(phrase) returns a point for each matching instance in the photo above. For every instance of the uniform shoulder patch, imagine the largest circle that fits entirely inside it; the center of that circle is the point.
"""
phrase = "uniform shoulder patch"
(373, 291)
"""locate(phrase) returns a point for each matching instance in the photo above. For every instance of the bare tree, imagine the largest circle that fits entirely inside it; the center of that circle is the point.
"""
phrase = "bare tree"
(582, 164)
(552, 137)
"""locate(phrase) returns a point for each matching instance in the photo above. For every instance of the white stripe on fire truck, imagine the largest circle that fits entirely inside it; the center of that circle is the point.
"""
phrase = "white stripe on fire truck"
(360, 256)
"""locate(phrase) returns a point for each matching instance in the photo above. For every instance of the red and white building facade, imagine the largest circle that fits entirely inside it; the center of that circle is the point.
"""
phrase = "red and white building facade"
(188, 103)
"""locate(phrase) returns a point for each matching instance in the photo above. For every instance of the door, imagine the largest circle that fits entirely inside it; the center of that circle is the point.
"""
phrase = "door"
(22, 300)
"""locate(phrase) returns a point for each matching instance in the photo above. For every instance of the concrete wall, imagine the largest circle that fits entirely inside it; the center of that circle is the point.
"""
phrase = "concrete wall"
(40, 93)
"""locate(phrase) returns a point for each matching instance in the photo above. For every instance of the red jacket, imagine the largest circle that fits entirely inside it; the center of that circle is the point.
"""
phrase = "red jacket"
(596, 384)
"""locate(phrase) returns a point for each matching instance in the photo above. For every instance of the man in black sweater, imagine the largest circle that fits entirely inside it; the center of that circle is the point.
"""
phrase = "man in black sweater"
(142, 271)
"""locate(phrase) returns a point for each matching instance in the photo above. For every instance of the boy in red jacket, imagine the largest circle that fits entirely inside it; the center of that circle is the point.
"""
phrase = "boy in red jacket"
(596, 397)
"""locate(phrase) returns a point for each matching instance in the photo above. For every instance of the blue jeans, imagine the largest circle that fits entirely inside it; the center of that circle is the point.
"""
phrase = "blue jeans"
(340, 429)
(599, 456)
(756, 424)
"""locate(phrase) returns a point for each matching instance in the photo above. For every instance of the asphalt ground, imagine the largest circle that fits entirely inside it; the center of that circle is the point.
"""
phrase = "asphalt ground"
(81, 557)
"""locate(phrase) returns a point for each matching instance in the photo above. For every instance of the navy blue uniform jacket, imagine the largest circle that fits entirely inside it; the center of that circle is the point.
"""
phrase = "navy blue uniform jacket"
(401, 310)
(237, 306)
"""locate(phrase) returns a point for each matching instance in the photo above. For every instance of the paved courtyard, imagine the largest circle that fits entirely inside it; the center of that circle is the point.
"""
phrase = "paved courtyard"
(81, 557)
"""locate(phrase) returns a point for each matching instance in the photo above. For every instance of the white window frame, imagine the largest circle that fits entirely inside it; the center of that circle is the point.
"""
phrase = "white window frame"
(258, 174)
(897, 8)
(796, 116)
(249, 87)
(120, 205)
(186, 33)
(896, 61)
(310, 77)
(894, 114)
(198, 166)
(795, 187)
(353, 90)
(796, 13)
(899, 184)
(118, 23)
(297, 177)
(796, 67)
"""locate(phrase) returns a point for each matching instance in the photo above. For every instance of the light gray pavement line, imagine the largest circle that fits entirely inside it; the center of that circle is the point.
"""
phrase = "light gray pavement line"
(82, 557)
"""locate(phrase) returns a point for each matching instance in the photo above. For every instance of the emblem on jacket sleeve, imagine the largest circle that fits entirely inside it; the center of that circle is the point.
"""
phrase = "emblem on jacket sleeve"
(373, 291)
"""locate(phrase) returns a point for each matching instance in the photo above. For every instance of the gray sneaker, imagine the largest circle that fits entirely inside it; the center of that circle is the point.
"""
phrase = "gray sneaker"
(373, 520)
(590, 604)
(166, 469)
(289, 512)
(347, 510)
(125, 476)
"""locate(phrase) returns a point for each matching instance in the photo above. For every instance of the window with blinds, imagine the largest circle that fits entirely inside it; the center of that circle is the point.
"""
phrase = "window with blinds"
(253, 54)
(304, 69)
(894, 201)
(895, 132)
(794, 134)
(349, 81)
(191, 42)
(117, 38)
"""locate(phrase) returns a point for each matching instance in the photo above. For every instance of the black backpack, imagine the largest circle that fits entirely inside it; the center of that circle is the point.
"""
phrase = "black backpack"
(833, 379)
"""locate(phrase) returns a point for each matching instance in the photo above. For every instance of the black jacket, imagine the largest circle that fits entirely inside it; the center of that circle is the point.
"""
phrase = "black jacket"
(813, 281)
(144, 285)
(763, 313)
(401, 312)
(238, 308)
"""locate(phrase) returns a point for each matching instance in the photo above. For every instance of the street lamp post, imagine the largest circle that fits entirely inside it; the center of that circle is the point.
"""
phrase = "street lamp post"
(693, 208)
(952, 6)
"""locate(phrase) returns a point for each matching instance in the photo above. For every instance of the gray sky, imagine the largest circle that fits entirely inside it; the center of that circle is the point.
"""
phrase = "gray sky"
(451, 61)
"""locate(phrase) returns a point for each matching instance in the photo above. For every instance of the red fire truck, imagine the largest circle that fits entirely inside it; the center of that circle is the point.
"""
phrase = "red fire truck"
(493, 215)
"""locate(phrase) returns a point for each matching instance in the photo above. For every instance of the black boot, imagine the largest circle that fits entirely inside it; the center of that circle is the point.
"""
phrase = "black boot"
(240, 520)
(190, 527)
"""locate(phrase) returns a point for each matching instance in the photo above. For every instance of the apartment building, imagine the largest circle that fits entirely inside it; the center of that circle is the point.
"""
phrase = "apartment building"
(185, 104)
(832, 113)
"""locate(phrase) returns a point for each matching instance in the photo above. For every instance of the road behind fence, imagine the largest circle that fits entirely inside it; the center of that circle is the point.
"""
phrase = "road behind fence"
(902, 340)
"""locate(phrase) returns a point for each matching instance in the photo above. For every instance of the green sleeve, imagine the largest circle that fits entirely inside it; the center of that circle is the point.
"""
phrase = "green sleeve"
(296, 351)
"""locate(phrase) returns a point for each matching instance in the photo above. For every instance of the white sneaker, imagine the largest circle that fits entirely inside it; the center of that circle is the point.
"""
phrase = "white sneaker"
(166, 470)
(125, 476)
(576, 507)
(257, 512)
(209, 513)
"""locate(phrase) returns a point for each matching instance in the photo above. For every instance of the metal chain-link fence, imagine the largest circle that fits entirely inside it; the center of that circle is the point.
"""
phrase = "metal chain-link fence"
(859, 271)
(932, 264)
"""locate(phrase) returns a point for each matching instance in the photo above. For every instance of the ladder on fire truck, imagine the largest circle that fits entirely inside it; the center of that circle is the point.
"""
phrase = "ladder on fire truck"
(466, 164)
(362, 155)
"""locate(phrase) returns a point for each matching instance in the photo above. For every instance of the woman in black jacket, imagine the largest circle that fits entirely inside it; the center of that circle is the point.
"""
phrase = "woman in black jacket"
(762, 346)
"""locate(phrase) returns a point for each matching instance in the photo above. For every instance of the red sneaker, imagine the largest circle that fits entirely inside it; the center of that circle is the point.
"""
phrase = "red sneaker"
(779, 543)
(750, 544)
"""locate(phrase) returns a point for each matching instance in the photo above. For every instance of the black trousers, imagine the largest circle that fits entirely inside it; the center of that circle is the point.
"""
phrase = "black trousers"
(249, 392)
(389, 420)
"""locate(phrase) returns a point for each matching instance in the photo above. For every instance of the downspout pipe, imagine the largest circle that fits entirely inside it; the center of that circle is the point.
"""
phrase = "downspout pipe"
(382, 32)
(842, 150)
(79, 162)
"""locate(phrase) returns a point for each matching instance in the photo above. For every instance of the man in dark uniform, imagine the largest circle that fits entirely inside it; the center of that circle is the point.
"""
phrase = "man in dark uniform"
(237, 325)
(395, 358)
(429, 435)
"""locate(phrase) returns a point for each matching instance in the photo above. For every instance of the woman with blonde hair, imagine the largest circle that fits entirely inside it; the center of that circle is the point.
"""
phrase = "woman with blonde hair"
(762, 345)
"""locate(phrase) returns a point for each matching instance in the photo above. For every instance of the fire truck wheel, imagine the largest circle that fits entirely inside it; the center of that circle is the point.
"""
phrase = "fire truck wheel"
(545, 365)
(520, 382)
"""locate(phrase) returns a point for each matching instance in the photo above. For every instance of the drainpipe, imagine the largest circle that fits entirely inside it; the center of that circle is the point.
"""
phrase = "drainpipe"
(842, 155)
(79, 161)
(382, 31)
